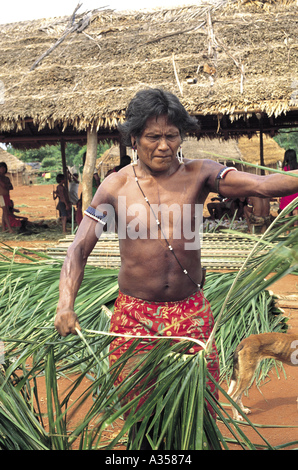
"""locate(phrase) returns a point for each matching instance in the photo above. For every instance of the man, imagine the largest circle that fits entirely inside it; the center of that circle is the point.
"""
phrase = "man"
(74, 182)
(160, 276)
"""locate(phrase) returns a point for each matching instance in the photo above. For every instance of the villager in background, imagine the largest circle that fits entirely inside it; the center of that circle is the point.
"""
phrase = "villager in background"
(160, 276)
(22, 223)
(5, 187)
(73, 189)
(64, 205)
(219, 207)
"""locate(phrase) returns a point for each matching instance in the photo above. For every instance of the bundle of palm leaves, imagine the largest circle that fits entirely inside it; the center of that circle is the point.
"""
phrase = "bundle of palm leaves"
(178, 399)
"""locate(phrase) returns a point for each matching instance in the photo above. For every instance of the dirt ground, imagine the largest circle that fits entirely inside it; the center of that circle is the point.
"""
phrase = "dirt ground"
(274, 404)
(37, 204)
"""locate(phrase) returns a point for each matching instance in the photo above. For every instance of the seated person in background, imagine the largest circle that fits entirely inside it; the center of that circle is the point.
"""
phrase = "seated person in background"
(64, 205)
(289, 164)
(21, 222)
(73, 179)
(226, 206)
(15, 220)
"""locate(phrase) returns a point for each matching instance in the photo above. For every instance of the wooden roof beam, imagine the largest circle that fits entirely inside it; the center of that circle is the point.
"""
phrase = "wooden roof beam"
(53, 138)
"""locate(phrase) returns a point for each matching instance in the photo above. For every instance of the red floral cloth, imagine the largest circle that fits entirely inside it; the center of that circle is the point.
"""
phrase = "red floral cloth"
(191, 317)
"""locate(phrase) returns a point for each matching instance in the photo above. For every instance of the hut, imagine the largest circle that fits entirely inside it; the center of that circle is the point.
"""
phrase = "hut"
(233, 64)
(249, 149)
(16, 170)
(108, 160)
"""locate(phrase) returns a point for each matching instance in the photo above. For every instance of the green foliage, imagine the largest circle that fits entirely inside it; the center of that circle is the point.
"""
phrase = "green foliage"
(177, 399)
(50, 158)
(52, 153)
(49, 163)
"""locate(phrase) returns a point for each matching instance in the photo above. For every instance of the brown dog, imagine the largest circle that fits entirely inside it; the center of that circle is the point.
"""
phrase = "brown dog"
(280, 346)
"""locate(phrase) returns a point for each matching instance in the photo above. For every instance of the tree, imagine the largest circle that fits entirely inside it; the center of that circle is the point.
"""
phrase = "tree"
(49, 163)
(73, 153)
(287, 139)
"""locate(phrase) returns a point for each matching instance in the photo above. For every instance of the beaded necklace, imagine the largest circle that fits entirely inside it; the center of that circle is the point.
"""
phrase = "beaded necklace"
(161, 230)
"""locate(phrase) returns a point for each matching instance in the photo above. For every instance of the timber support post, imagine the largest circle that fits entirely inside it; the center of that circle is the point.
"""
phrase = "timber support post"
(64, 166)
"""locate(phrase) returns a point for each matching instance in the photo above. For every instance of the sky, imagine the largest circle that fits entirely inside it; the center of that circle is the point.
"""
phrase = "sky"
(20, 10)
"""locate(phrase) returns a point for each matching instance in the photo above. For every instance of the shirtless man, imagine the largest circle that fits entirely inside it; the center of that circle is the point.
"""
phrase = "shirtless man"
(5, 187)
(157, 274)
(64, 203)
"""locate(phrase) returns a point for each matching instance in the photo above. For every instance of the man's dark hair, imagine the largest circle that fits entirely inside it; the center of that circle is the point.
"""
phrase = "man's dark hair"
(155, 102)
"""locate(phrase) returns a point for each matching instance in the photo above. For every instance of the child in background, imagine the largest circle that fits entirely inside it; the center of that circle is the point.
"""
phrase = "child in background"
(5, 187)
(64, 205)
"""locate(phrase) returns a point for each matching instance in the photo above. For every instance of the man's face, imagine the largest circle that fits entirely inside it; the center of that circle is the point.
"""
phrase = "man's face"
(158, 145)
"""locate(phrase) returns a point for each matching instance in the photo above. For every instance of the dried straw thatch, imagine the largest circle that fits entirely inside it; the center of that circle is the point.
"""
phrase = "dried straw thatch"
(14, 165)
(108, 160)
(223, 59)
(215, 149)
(250, 151)
(244, 149)
(223, 151)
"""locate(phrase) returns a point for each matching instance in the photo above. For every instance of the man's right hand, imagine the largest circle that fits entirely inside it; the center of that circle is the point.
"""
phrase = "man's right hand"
(66, 322)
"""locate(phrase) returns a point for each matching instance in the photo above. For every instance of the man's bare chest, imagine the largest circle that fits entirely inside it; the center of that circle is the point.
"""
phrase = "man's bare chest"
(156, 211)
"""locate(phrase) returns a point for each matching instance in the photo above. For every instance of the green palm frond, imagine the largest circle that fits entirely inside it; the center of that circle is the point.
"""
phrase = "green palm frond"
(175, 413)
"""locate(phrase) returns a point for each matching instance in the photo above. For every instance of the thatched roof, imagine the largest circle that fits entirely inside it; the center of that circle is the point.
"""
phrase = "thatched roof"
(244, 149)
(224, 61)
(214, 149)
(224, 151)
(250, 150)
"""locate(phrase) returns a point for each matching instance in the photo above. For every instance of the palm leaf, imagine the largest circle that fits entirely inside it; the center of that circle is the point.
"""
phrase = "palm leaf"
(177, 400)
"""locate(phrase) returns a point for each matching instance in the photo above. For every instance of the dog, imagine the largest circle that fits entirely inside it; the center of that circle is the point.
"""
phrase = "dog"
(250, 351)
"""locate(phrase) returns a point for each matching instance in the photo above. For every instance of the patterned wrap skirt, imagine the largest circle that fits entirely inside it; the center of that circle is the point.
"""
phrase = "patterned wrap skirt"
(191, 317)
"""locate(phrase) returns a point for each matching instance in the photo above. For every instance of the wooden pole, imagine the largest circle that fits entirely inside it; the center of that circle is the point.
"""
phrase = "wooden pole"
(64, 166)
(89, 167)
(122, 150)
(62, 146)
(260, 119)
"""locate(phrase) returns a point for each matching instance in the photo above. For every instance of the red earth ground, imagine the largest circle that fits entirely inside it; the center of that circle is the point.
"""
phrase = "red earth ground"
(274, 404)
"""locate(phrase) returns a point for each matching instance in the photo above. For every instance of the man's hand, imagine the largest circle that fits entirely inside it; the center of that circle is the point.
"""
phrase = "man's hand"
(66, 322)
